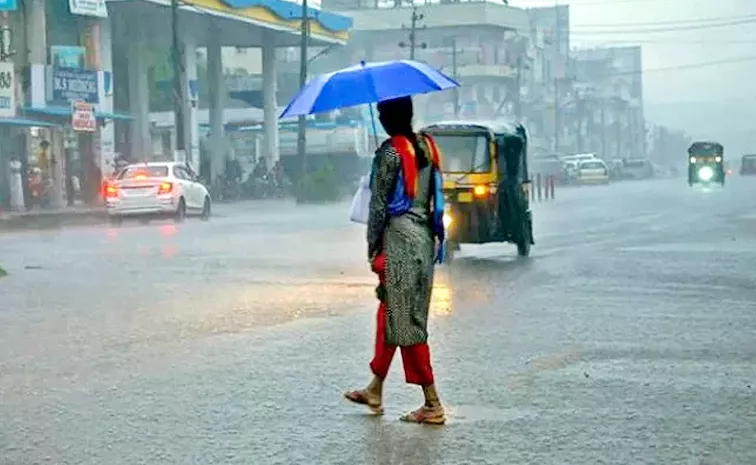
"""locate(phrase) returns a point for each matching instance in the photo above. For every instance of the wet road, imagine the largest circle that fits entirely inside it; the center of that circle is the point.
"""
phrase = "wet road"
(628, 338)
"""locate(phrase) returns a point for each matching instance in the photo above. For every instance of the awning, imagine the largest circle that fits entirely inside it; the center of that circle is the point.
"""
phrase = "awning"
(67, 111)
(26, 123)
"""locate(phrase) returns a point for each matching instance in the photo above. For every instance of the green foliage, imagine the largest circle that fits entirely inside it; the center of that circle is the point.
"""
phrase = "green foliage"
(3, 273)
(321, 185)
(160, 66)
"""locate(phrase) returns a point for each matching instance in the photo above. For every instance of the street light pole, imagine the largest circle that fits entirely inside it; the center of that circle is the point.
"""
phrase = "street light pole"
(302, 121)
(178, 84)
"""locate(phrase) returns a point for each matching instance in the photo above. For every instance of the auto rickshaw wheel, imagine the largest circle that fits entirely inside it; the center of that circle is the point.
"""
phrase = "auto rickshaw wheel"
(526, 239)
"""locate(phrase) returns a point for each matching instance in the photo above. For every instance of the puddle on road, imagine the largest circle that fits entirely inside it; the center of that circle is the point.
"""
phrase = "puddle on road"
(463, 414)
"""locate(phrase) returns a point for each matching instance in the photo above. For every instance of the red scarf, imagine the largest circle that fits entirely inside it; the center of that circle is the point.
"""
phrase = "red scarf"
(407, 155)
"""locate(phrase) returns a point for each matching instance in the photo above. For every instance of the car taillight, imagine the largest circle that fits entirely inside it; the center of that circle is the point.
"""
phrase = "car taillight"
(111, 191)
(165, 188)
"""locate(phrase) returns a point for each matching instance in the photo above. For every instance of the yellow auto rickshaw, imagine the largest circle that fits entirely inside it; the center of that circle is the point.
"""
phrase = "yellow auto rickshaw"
(486, 184)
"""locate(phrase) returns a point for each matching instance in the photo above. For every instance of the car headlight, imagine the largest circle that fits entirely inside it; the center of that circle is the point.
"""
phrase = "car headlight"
(447, 220)
(705, 173)
(692, 159)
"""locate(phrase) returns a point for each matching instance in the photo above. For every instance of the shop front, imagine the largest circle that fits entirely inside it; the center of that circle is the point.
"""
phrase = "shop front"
(19, 164)
(72, 103)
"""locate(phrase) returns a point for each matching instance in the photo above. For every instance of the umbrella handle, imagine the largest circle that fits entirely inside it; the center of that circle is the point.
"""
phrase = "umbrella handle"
(372, 121)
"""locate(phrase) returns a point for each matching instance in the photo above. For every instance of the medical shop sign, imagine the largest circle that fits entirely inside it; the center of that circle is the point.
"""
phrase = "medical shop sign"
(69, 85)
(83, 117)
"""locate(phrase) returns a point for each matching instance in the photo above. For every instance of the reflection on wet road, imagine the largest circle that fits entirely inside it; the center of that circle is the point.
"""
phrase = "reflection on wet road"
(628, 337)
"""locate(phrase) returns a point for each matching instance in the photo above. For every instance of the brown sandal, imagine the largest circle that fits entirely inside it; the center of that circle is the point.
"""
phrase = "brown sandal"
(361, 398)
(426, 415)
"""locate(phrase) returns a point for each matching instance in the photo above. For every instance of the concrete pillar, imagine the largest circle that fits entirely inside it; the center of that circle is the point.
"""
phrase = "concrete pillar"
(270, 106)
(139, 92)
(36, 40)
(106, 87)
(191, 102)
(217, 91)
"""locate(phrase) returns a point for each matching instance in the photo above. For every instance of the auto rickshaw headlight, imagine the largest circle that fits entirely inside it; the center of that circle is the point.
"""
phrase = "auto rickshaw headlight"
(692, 159)
(481, 190)
(447, 220)
(705, 173)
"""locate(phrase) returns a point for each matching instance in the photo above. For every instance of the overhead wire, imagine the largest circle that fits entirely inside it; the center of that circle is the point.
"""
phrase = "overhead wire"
(694, 27)
(547, 3)
(680, 22)
(702, 64)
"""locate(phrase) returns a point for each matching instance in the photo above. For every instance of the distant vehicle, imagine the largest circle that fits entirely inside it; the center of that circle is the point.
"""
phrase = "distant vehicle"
(706, 163)
(615, 168)
(569, 168)
(637, 169)
(748, 165)
(156, 189)
(577, 158)
(592, 172)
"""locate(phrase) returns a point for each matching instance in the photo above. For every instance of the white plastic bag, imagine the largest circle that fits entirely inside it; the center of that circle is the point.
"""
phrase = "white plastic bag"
(361, 202)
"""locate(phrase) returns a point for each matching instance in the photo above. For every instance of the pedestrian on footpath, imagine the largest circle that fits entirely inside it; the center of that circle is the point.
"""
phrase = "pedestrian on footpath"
(405, 239)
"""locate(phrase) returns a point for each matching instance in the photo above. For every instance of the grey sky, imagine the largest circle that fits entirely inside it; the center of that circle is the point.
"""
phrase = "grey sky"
(716, 101)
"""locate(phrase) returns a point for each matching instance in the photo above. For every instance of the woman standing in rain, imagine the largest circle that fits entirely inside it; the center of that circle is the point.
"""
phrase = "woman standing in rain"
(405, 237)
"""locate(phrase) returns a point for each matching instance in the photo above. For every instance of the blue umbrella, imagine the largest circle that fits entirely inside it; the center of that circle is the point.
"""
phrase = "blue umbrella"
(366, 83)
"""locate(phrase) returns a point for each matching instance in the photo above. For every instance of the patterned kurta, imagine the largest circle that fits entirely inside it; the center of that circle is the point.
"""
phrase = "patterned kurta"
(408, 243)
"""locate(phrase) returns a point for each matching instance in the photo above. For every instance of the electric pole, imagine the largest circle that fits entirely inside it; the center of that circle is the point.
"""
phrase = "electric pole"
(580, 118)
(558, 57)
(302, 122)
(415, 19)
(603, 125)
(178, 85)
(452, 44)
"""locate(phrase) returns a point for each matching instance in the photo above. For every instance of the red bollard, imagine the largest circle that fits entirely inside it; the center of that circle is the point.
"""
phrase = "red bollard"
(539, 186)
(551, 186)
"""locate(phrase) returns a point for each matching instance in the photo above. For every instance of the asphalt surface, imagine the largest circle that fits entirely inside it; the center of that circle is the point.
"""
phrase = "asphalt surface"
(629, 337)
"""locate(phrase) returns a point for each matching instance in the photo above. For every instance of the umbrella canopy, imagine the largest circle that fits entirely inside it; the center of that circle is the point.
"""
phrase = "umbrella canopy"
(367, 83)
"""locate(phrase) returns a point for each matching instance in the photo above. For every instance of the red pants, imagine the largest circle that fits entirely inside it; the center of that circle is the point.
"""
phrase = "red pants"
(416, 358)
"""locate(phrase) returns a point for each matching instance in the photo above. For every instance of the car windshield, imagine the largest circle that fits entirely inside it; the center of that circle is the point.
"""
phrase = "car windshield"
(465, 153)
(136, 172)
(592, 165)
(705, 151)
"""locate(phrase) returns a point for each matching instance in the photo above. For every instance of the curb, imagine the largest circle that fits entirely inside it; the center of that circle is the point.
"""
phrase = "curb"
(52, 220)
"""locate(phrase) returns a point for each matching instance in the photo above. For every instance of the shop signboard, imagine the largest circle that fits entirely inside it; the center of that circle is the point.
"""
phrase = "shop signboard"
(8, 5)
(68, 85)
(7, 90)
(95, 8)
(83, 117)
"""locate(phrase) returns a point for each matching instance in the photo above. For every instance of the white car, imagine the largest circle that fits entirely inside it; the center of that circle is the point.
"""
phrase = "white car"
(592, 172)
(156, 189)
